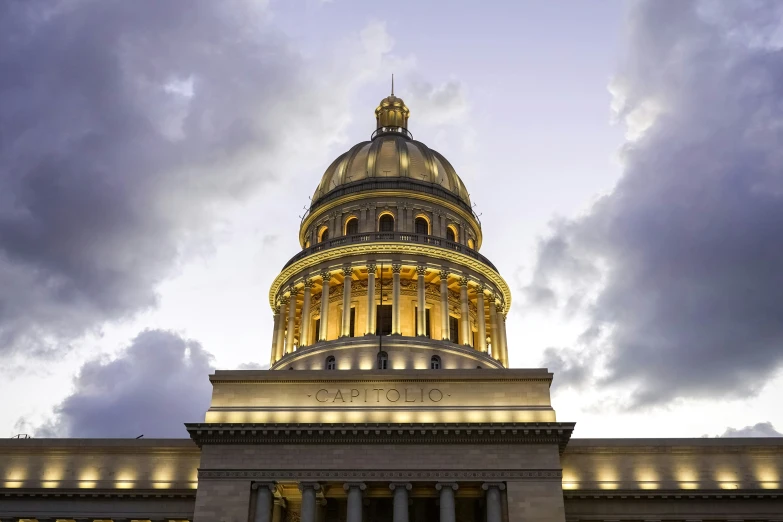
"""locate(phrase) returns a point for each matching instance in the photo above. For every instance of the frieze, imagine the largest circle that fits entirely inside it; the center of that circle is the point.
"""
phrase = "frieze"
(384, 475)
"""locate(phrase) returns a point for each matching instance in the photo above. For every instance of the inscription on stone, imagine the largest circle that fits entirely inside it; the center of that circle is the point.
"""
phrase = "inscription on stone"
(379, 395)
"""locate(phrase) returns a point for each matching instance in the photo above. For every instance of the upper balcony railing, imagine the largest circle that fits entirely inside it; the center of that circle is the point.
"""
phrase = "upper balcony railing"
(402, 131)
(380, 183)
(394, 237)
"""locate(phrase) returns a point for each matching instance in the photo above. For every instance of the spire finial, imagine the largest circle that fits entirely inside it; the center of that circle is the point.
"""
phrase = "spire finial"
(392, 84)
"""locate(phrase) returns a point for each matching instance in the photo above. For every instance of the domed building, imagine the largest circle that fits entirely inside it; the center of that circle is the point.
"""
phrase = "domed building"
(390, 274)
(389, 396)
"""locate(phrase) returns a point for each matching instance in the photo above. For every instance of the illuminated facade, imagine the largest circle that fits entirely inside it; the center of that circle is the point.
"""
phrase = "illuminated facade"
(389, 396)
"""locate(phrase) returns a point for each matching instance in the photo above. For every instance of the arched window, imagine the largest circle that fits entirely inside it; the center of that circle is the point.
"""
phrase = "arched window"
(422, 226)
(435, 363)
(386, 223)
(450, 235)
(471, 244)
(323, 235)
(383, 361)
(351, 226)
(331, 363)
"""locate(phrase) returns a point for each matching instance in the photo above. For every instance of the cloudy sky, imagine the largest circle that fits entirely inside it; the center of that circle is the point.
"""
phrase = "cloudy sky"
(624, 158)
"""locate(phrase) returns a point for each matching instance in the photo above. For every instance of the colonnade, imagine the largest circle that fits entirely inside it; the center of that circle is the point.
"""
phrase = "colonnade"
(268, 508)
(285, 319)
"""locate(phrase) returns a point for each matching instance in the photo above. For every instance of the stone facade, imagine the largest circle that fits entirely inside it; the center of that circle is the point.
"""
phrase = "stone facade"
(389, 397)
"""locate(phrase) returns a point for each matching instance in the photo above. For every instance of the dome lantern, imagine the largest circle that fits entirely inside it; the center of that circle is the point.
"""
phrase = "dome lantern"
(391, 115)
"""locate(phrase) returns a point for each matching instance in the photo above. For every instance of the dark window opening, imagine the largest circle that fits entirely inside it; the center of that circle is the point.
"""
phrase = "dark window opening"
(422, 227)
(331, 363)
(352, 227)
(353, 322)
(435, 363)
(317, 329)
(453, 329)
(426, 322)
(383, 320)
(383, 361)
(324, 235)
(450, 235)
(386, 223)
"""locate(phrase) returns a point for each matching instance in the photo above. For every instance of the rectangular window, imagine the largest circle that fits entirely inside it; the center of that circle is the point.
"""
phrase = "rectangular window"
(383, 320)
(426, 321)
(353, 321)
(317, 329)
(454, 329)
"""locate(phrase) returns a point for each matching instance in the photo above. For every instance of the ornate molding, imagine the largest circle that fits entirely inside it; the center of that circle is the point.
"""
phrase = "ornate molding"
(395, 475)
(396, 268)
(360, 433)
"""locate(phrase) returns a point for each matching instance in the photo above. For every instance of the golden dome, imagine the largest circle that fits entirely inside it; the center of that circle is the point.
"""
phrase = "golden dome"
(392, 153)
(392, 112)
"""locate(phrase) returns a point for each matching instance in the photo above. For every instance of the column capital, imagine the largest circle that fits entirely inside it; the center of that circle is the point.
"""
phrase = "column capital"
(348, 485)
(276, 309)
(308, 283)
(315, 486)
(292, 290)
(347, 271)
(452, 485)
(396, 268)
(371, 268)
(284, 300)
(405, 485)
(499, 485)
(444, 274)
(272, 486)
(481, 286)
(421, 270)
(463, 281)
(326, 275)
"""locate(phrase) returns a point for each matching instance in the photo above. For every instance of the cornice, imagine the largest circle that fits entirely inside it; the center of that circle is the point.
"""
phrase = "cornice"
(348, 475)
(453, 257)
(369, 433)
(389, 193)
(671, 494)
(99, 493)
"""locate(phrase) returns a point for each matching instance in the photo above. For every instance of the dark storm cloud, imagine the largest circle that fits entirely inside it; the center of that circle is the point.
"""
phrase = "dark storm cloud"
(152, 388)
(761, 429)
(123, 124)
(682, 261)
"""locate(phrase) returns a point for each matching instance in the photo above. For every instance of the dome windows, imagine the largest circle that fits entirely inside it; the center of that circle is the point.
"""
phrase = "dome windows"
(386, 223)
(331, 363)
(422, 226)
(435, 363)
(471, 244)
(323, 234)
(383, 361)
(451, 233)
(351, 226)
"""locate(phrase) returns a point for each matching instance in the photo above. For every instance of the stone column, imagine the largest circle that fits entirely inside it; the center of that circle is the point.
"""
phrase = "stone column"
(347, 280)
(323, 330)
(396, 267)
(447, 512)
(421, 314)
(354, 490)
(371, 313)
(494, 508)
(263, 501)
(502, 336)
(482, 322)
(400, 489)
(289, 340)
(280, 340)
(275, 330)
(308, 490)
(464, 311)
(495, 328)
(444, 305)
(304, 322)
(277, 510)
